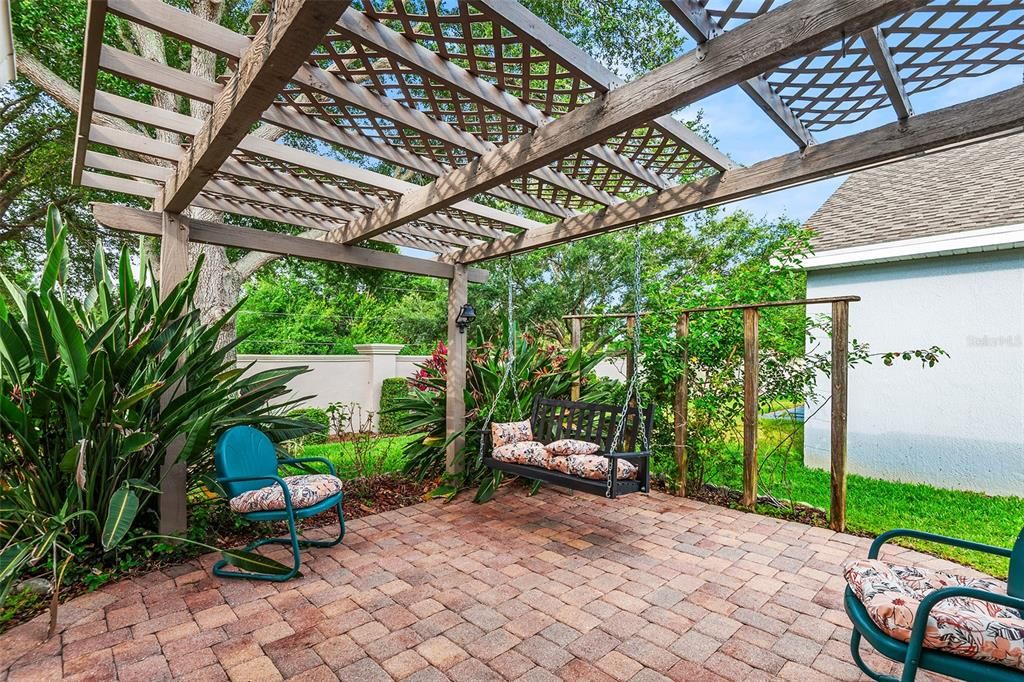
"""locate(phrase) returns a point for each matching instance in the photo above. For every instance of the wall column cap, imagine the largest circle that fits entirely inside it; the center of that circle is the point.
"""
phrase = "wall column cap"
(379, 348)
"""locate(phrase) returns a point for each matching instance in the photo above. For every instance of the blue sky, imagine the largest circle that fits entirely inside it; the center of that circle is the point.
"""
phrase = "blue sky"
(748, 136)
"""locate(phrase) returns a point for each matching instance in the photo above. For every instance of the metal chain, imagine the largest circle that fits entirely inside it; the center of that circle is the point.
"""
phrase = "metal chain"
(509, 364)
(632, 392)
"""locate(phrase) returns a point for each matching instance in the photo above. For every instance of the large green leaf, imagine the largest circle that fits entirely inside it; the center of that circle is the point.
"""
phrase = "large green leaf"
(53, 269)
(141, 394)
(136, 442)
(72, 345)
(126, 279)
(254, 563)
(124, 505)
(17, 294)
(40, 334)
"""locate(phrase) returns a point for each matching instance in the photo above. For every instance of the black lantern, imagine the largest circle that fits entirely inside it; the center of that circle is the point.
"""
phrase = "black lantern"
(465, 316)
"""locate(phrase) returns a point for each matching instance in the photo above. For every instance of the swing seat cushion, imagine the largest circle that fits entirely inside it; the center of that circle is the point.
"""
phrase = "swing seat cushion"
(571, 446)
(959, 625)
(527, 452)
(508, 433)
(306, 490)
(592, 466)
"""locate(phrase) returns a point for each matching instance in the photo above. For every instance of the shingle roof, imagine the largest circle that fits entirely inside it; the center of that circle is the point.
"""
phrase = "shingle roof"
(967, 188)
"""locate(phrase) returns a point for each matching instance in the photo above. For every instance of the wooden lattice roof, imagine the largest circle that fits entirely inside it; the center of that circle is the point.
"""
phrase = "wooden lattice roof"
(501, 116)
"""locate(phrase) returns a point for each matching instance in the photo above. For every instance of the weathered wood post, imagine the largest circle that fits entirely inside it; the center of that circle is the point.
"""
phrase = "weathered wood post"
(576, 339)
(173, 474)
(455, 377)
(840, 353)
(751, 366)
(682, 400)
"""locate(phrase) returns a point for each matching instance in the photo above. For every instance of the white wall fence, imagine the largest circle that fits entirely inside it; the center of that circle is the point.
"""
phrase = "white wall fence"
(359, 378)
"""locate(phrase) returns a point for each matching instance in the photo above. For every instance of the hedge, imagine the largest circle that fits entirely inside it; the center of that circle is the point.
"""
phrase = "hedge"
(391, 390)
(317, 416)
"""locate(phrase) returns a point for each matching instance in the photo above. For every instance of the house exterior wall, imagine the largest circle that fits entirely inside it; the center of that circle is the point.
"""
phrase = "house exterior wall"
(959, 424)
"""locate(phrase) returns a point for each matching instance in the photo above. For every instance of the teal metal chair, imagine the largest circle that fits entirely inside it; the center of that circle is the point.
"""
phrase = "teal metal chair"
(912, 654)
(246, 460)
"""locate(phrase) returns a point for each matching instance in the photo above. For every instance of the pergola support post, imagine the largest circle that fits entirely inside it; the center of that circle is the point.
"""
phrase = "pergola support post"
(576, 339)
(173, 474)
(751, 366)
(840, 362)
(682, 403)
(455, 377)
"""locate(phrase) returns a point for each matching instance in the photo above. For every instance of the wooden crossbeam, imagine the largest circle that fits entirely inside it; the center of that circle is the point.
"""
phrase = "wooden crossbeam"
(171, 79)
(95, 15)
(881, 57)
(397, 47)
(292, 208)
(700, 26)
(526, 24)
(997, 114)
(794, 29)
(139, 221)
(222, 40)
(281, 45)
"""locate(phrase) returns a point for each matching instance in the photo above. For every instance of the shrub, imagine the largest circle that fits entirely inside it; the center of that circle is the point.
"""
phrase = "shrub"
(93, 392)
(318, 420)
(391, 415)
(539, 369)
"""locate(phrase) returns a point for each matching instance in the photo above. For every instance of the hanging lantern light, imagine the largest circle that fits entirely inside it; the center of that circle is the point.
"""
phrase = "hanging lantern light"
(466, 315)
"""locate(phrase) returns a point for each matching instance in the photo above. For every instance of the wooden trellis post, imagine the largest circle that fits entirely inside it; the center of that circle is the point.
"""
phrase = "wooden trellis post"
(455, 376)
(576, 338)
(840, 355)
(681, 407)
(630, 330)
(751, 365)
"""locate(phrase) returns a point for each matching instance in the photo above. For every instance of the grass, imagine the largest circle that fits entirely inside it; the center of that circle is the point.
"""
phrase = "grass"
(875, 506)
(381, 455)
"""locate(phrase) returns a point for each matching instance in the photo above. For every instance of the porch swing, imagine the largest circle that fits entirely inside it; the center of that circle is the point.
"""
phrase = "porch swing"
(600, 449)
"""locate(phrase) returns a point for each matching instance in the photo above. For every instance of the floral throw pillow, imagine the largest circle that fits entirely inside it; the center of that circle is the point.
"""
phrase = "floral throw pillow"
(510, 432)
(305, 490)
(526, 452)
(596, 467)
(571, 446)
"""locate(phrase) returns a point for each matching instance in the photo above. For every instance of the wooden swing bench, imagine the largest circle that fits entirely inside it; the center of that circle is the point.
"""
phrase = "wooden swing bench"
(553, 420)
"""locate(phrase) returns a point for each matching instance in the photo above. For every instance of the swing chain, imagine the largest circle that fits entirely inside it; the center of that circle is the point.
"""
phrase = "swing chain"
(509, 365)
(632, 391)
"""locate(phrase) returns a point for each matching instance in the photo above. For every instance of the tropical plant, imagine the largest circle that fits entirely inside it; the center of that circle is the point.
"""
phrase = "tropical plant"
(538, 369)
(92, 394)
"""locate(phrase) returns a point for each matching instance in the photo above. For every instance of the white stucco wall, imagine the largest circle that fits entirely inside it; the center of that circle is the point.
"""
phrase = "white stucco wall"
(959, 424)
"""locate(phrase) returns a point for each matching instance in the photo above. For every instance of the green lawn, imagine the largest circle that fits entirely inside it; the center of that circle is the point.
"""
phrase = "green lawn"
(874, 506)
(379, 456)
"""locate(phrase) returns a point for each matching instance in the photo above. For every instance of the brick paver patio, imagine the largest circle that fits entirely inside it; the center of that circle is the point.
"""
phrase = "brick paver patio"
(522, 588)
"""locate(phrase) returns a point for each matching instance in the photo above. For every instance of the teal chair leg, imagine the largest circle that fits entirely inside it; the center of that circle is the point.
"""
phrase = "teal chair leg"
(855, 652)
(296, 544)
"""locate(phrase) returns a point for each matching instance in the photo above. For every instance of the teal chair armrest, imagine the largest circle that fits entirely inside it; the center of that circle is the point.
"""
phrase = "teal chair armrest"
(916, 642)
(876, 546)
(265, 477)
(301, 460)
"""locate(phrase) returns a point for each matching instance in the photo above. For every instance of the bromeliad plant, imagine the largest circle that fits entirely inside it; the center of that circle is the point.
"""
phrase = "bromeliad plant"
(92, 393)
(539, 369)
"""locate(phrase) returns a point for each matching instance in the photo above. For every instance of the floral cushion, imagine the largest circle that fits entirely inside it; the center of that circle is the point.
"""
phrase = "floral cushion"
(510, 432)
(527, 452)
(959, 625)
(592, 466)
(571, 446)
(306, 490)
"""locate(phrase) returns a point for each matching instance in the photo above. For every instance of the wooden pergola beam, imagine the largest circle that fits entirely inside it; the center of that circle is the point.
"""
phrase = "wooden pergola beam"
(699, 25)
(139, 221)
(881, 57)
(282, 44)
(794, 29)
(526, 24)
(171, 79)
(95, 15)
(397, 47)
(996, 114)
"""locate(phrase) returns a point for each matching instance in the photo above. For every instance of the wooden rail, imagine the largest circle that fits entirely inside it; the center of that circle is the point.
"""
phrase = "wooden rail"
(751, 412)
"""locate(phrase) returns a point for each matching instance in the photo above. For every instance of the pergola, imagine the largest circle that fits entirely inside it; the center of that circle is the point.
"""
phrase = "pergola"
(505, 114)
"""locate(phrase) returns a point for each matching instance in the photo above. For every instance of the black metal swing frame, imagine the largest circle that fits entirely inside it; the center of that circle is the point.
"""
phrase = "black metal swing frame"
(556, 419)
